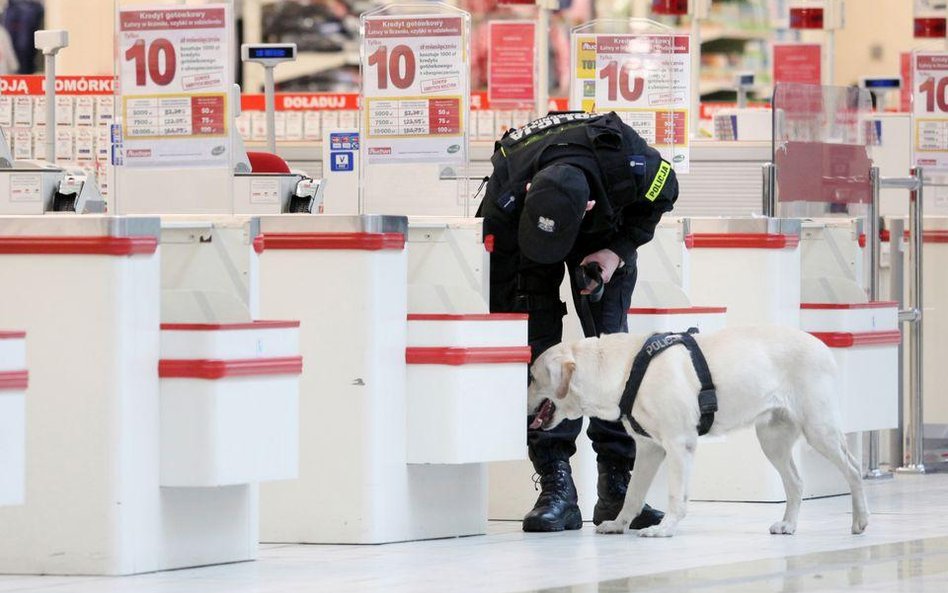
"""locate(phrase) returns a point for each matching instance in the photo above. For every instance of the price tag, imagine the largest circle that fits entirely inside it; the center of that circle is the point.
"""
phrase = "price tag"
(175, 79)
(26, 187)
(415, 88)
(646, 79)
(930, 110)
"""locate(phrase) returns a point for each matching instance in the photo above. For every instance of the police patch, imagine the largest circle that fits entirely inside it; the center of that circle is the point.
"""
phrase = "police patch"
(658, 184)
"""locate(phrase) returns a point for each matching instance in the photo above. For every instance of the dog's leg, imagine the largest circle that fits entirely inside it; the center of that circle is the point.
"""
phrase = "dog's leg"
(648, 457)
(777, 435)
(680, 454)
(830, 442)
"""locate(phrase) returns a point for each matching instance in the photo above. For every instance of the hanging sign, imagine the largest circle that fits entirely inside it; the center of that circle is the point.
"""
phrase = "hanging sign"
(511, 66)
(930, 110)
(415, 88)
(175, 78)
(646, 79)
(798, 62)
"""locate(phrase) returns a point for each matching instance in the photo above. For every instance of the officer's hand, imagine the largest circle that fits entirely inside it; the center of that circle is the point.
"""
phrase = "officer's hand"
(608, 260)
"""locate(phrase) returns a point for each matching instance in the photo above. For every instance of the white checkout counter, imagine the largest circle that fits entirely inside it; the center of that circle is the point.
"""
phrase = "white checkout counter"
(14, 381)
(145, 442)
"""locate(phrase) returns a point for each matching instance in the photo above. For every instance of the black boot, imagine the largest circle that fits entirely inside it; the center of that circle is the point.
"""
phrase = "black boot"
(611, 487)
(556, 508)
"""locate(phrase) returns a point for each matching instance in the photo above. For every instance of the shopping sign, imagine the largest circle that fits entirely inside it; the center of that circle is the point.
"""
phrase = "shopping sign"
(645, 79)
(798, 62)
(511, 65)
(175, 77)
(415, 88)
(930, 110)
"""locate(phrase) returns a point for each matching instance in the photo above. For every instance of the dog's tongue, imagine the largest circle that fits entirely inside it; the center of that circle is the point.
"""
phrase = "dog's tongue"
(543, 414)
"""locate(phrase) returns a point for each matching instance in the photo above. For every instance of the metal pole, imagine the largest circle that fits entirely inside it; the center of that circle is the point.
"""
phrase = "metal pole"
(50, 65)
(874, 245)
(914, 462)
(269, 90)
(769, 204)
(897, 294)
(543, 58)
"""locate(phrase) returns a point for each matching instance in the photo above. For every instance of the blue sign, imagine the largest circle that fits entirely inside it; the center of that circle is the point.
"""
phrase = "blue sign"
(340, 161)
(344, 141)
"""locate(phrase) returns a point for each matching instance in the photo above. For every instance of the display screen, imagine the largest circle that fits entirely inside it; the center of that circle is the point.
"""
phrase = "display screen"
(270, 52)
(883, 83)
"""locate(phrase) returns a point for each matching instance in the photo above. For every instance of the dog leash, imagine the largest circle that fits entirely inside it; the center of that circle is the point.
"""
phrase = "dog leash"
(655, 345)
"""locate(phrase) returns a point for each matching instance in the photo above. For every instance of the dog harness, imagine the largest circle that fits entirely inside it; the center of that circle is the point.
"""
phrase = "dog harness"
(655, 345)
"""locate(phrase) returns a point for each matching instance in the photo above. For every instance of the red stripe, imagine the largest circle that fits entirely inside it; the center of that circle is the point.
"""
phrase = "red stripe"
(219, 369)
(200, 327)
(741, 241)
(14, 380)
(934, 236)
(836, 306)
(677, 311)
(862, 239)
(330, 241)
(475, 317)
(78, 245)
(12, 335)
(848, 340)
(462, 356)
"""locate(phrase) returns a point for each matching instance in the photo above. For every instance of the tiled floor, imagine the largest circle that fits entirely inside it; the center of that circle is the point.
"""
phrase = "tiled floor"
(721, 547)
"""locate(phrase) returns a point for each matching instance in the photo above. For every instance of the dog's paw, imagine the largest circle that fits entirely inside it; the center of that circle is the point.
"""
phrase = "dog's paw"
(783, 528)
(660, 530)
(860, 524)
(611, 527)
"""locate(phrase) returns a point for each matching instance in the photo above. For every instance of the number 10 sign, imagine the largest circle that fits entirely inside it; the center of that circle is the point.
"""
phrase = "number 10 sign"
(930, 110)
(175, 78)
(415, 88)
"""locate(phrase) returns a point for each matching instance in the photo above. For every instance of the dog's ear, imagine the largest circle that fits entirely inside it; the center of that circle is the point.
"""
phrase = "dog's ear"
(567, 366)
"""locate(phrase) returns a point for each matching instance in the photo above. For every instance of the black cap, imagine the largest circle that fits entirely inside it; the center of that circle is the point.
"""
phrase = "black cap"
(552, 213)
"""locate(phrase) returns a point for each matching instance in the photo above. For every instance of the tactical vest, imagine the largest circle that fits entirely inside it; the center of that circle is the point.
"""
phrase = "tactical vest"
(602, 139)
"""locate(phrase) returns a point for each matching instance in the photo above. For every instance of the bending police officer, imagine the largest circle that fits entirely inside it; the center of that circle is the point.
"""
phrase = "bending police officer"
(583, 190)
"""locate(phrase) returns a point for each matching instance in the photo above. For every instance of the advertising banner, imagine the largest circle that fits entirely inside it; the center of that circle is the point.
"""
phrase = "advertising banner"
(175, 80)
(798, 62)
(645, 78)
(511, 71)
(930, 110)
(415, 88)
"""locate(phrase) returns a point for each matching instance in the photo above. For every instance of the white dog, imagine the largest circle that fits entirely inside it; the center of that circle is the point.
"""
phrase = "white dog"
(779, 379)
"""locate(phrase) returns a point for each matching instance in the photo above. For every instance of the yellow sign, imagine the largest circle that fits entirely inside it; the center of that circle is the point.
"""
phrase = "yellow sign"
(659, 182)
(585, 57)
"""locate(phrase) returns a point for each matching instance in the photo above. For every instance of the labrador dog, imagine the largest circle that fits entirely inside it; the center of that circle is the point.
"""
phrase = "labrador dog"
(781, 380)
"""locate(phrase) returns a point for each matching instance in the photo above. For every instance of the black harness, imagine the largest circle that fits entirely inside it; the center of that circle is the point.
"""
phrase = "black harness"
(655, 345)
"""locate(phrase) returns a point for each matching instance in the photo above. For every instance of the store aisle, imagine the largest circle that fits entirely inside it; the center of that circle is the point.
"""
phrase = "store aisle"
(721, 547)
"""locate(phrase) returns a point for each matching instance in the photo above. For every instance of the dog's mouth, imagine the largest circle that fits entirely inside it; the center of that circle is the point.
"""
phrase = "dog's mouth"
(544, 415)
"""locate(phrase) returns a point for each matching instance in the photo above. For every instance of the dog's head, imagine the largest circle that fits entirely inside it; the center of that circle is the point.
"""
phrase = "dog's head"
(549, 397)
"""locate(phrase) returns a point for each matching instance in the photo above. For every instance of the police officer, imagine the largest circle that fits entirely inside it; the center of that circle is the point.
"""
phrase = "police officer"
(586, 191)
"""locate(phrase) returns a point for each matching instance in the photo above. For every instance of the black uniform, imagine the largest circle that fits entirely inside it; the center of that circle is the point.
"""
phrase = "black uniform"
(632, 187)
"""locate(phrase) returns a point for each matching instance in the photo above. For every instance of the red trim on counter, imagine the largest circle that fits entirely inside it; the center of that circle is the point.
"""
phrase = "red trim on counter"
(869, 305)
(12, 335)
(14, 380)
(862, 239)
(330, 241)
(220, 369)
(472, 317)
(117, 246)
(201, 327)
(932, 236)
(848, 340)
(463, 356)
(741, 241)
(677, 310)
(489, 243)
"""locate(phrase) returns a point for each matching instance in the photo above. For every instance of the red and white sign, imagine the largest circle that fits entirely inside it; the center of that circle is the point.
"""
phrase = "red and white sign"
(646, 79)
(415, 87)
(930, 110)
(34, 85)
(798, 63)
(175, 78)
(511, 71)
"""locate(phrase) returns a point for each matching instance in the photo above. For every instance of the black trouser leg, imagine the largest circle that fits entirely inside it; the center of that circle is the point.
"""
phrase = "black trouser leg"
(610, 441)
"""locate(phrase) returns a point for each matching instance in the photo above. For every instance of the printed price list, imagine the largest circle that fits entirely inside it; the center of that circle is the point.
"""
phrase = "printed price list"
(175, 116)
(933, 135)
(415, 117)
